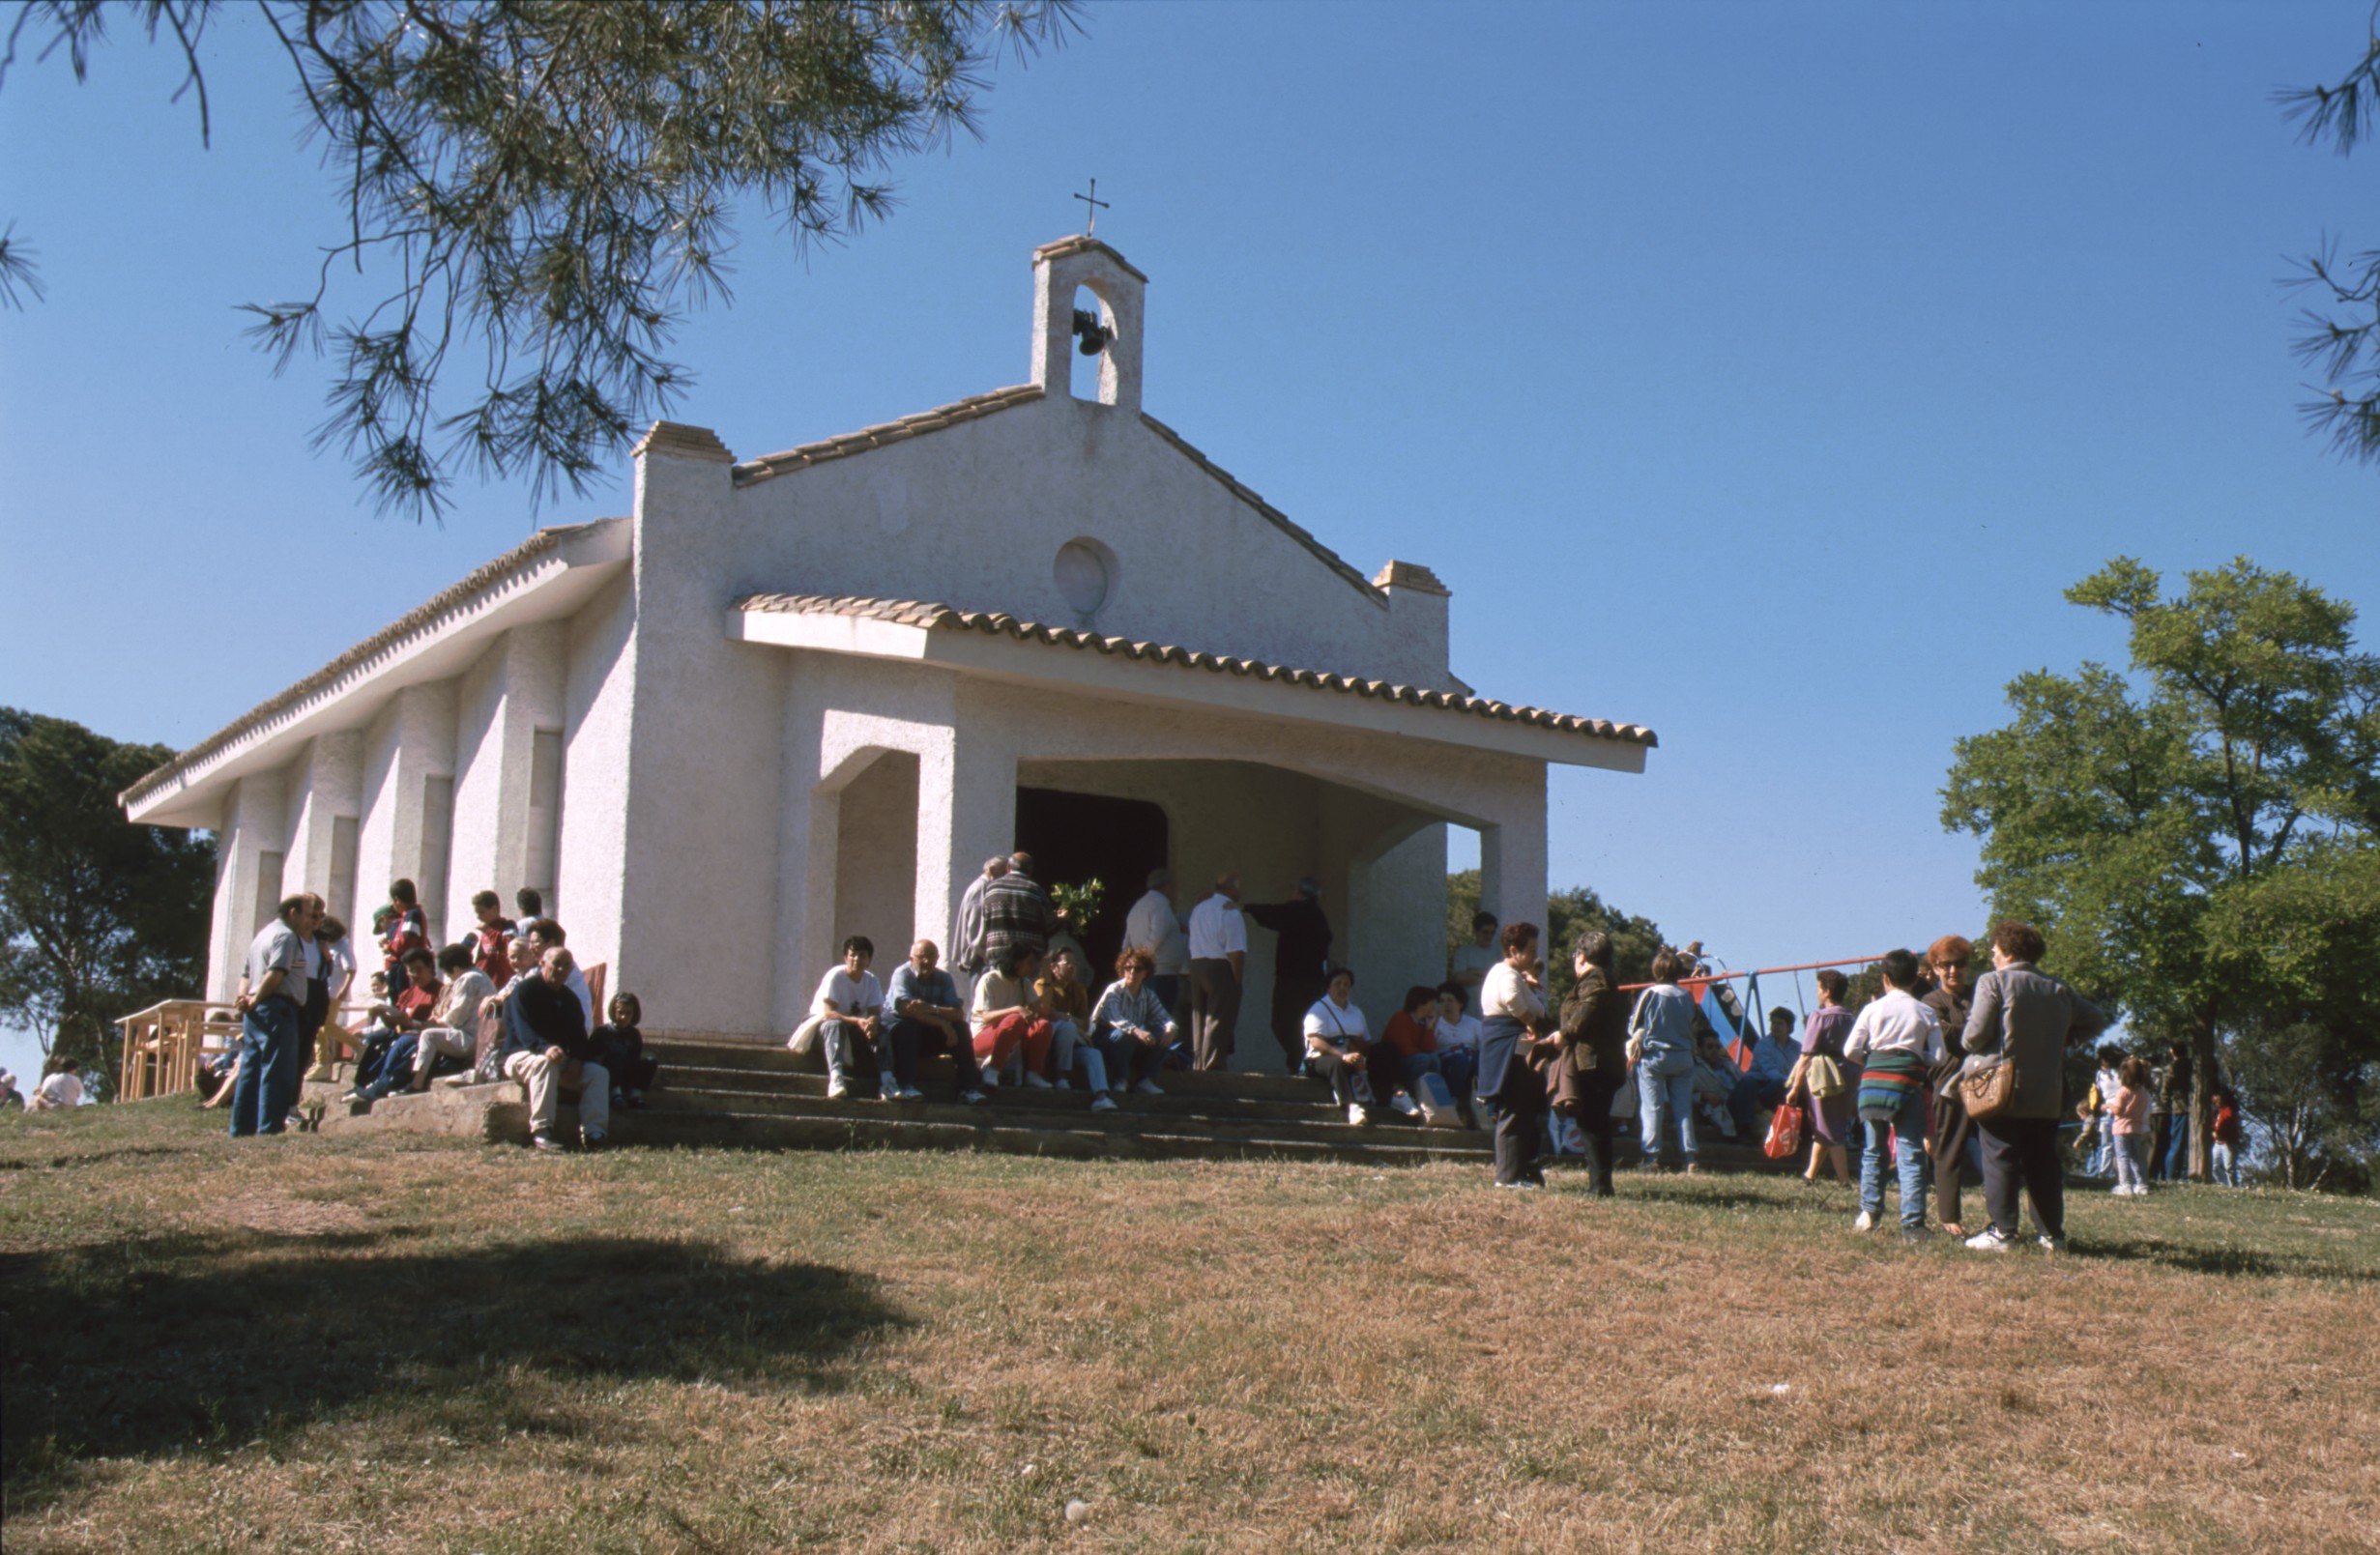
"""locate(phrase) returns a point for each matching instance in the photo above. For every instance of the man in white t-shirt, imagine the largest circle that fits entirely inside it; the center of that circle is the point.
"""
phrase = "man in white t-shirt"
(1218, 967)
(849, 1006)
(61, 1090)
(1152, 925)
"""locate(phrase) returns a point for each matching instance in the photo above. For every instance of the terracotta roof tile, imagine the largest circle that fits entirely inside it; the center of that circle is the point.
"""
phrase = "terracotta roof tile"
(998, 623)
(972, 408)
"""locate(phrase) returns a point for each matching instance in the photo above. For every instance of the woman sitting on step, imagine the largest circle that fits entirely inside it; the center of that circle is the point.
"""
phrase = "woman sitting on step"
(1131, 1026)
(1339, 1046)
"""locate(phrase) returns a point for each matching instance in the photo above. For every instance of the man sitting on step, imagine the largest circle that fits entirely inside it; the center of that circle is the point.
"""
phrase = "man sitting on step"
(928, 1015)
(546, 1048)
(848, 1007)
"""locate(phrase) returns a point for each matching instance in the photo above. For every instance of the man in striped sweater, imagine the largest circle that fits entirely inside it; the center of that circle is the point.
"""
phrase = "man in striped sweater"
(1897, 1041)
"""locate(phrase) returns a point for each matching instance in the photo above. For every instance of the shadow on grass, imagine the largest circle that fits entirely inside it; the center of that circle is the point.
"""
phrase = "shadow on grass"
(194, 1344)
(2223, 1260)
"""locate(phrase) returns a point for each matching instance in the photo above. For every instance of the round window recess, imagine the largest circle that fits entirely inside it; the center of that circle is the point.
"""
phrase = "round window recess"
(1085, 571)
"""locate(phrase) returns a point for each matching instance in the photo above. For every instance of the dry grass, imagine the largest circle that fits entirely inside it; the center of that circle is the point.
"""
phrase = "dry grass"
(324, 1344)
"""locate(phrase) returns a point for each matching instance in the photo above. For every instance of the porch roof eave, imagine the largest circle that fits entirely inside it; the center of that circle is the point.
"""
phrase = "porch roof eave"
(1052, 665)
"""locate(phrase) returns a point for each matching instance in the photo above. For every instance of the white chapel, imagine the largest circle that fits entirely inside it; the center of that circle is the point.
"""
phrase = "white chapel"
(805, 695)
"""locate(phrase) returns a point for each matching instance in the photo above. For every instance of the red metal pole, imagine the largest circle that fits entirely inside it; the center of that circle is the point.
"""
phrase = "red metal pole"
(1763, 972)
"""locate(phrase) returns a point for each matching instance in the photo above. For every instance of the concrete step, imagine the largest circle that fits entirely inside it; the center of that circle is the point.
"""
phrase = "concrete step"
(981, 1129)
(1194, 1100)
(1027, 1110)
(681, 1056)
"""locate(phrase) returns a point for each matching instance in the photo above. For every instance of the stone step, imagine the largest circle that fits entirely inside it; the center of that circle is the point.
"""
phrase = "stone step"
(1192, 1100)
(1010, 1109)
(679, 1053)
(977, 1130)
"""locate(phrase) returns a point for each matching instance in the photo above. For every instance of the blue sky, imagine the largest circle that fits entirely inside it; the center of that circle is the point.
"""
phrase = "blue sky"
(1762, 374)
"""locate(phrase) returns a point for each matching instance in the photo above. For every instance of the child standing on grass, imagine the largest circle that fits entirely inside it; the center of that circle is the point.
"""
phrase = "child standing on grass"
(2128, 1114)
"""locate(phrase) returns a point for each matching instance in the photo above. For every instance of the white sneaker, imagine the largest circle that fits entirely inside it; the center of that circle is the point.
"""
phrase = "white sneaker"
(1865, 1223)
(1404, 1104)
(908, 1093)
(2119, 1191)
(1990, 1240)
(1103, 1103)
(1148, 1087)
(1062, 1082)
(836, 1090)
(2052, 1244)
(1034, 1082)
(973, 1098)
(1357, 1115)
(991, 1081)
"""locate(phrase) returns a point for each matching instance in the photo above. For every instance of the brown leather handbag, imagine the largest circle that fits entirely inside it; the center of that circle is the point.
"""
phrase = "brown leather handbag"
(1988, 1092)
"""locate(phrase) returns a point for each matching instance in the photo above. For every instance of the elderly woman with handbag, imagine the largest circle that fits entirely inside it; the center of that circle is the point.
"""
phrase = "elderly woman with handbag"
(1661, 1045)
(1512, 1006)
(1819, 1076)
(1593, 1059)
(2020, 1026)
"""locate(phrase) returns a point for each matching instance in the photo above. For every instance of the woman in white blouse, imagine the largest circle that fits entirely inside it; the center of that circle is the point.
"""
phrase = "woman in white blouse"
(1338, 1043)
(1512, 1006)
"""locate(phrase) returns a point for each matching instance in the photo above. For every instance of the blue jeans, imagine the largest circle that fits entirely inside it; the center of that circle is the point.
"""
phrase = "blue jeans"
(2177, 1150)
(268, 1083)
(1459, 1067)
(1660, 1094)
(1909, 1122)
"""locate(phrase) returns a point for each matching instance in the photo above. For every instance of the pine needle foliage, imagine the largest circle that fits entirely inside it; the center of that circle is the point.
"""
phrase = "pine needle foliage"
(2338, 334)
(537, 192)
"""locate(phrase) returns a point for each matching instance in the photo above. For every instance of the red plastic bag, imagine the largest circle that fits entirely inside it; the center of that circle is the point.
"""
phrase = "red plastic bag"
(1785, 1133)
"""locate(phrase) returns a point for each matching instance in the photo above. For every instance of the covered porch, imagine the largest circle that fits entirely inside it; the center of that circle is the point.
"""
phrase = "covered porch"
(919, 743)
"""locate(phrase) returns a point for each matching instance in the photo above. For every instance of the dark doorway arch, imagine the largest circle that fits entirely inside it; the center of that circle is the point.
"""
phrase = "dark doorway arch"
(1077, 836)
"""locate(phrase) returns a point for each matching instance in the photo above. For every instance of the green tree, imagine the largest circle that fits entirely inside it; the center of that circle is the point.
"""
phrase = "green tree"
(2319, 1107)
(2201, 842)
(1569, 914)
(536, 190)
(2345, 342)
(98, 917)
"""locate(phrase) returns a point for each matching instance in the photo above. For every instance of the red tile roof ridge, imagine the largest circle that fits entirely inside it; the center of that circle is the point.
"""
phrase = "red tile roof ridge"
(974, 407)
(930, 615)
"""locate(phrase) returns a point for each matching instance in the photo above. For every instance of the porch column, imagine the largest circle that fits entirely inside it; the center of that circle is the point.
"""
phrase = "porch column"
(1512, 863)
(965, 813)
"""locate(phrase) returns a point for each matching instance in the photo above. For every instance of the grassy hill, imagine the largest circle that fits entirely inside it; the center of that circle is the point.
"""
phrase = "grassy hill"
(388, 1344)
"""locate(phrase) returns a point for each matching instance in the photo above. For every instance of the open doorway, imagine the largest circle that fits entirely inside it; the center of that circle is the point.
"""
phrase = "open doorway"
(1078, 837)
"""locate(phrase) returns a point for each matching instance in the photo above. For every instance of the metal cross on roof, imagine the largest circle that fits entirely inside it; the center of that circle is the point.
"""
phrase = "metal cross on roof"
(1095, 205)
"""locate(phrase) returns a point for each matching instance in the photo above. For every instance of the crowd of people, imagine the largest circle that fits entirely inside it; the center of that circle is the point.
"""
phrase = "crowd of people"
(1018, 1006)
(508, 1000)
(1876, 1090)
